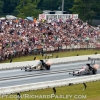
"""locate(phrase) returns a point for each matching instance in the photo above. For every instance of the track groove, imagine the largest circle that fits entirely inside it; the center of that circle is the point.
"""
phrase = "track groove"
(37, 74)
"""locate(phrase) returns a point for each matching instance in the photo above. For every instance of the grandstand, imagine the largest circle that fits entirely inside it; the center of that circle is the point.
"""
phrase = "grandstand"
(24, 37)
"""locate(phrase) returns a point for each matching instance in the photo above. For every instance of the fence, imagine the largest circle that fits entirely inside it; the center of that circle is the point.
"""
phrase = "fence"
(47, 50)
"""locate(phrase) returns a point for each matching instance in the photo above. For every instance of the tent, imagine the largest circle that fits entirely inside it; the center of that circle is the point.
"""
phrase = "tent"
(29, 18)
(10, 17)
(2, 18)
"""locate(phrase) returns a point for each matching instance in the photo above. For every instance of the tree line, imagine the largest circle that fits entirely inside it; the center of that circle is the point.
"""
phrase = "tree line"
(87, 9)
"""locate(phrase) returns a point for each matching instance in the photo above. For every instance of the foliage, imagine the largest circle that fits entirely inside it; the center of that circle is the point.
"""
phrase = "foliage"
(27, 8)
(87, 9)
(49, 4)
(55, 4)
(1, 5)
(9, 6)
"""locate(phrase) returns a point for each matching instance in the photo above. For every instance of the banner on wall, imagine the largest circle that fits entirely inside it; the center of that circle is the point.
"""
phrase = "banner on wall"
(57, 16)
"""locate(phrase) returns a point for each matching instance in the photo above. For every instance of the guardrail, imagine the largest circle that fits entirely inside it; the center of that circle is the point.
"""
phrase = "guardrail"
(48, 84)
(54, 61)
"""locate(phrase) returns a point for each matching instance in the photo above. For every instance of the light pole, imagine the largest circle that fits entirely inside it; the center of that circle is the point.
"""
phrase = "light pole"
(62, 6)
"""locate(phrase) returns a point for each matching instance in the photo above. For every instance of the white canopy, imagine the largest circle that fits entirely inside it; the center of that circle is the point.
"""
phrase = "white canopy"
(10, 17)
(2, 18)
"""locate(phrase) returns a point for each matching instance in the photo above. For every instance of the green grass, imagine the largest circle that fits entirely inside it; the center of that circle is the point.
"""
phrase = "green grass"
(93, 88)
(59, 54)
(91, 93)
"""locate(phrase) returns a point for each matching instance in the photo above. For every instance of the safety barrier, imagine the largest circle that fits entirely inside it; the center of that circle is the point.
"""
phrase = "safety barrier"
(53, 61)
(73, 58)
(18, 64)
(48, 84)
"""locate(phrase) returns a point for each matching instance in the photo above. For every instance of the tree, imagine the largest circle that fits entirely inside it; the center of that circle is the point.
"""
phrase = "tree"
(1, 5)
(9, 6)
(68, 5)
(87, 9)
(55, 4)
(28, 8)
(50, 4)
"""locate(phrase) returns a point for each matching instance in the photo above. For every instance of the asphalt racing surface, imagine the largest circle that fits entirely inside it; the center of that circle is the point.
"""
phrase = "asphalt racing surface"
(57, 72)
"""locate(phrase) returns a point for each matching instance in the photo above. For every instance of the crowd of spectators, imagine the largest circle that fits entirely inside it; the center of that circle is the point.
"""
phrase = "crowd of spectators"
(23, 37)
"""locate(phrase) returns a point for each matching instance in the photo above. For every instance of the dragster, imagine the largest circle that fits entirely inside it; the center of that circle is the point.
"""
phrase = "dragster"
(41, 65)
(86, 70)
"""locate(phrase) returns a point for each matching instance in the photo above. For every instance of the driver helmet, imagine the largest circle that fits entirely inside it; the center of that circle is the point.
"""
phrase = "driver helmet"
(88, 65)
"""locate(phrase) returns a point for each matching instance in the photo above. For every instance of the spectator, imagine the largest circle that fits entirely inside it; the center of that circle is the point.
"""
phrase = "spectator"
(22, 37)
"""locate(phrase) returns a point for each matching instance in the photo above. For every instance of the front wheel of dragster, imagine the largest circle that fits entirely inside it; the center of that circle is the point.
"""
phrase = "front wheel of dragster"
(25, 68)
(48, 67)
(94, 71)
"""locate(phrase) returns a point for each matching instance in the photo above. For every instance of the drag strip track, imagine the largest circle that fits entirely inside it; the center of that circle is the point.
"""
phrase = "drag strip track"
(37, 74)
(57, 72)
(57, 67)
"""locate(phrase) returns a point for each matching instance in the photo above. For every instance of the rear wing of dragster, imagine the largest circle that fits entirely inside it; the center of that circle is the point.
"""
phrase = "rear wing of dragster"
(93, 60)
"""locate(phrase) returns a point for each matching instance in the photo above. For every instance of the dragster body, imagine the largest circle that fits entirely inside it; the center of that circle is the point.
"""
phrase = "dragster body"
(86, 70)
(41, 65)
